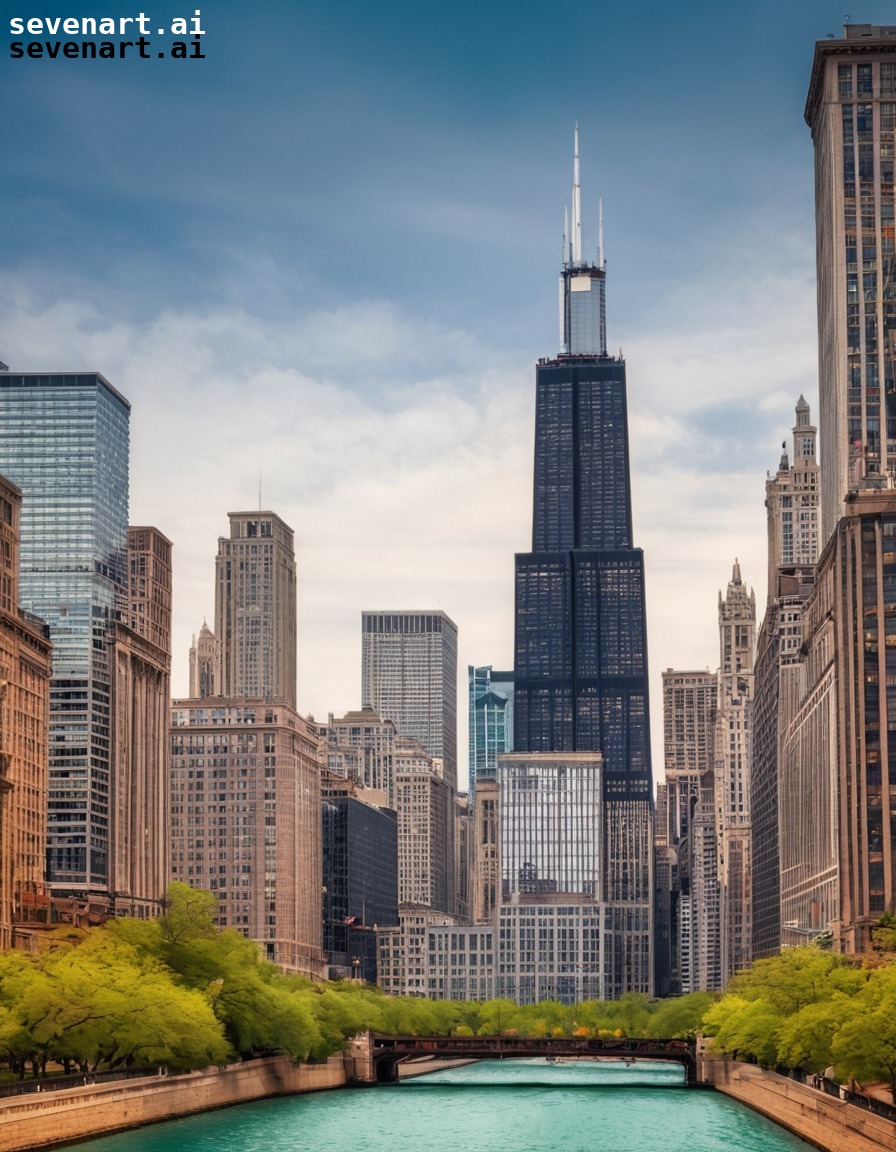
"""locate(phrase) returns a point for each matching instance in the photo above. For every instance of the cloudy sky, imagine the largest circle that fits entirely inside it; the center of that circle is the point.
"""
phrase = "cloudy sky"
(325, 258)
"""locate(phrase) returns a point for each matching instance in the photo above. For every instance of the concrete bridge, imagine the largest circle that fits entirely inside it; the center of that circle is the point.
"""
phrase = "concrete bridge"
(377, 1057)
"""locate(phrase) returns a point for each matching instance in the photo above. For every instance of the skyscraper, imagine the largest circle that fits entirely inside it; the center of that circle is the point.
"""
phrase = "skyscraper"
(409, 676)
(734, 746)
(203, 662)
(64, 442)
(255, 609)
(245, 766)
(689, 717)
(791, 500)
(580, 638)
(139, 859)
(844, 728)
(851, 109)
(491, 721)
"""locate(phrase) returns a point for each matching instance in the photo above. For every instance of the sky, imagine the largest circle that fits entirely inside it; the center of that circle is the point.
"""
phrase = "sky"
(322, 261)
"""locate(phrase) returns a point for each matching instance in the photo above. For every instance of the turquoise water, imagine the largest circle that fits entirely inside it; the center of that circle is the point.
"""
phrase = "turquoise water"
(494, 1106)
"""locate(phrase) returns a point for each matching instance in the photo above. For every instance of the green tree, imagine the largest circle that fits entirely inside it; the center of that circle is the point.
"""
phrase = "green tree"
(864, 1046)
(681, 1016)
(744, 1029)
(497, 1016)
(805, 1040)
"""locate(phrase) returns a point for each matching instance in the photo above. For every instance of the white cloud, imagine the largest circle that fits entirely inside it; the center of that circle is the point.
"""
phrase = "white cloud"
(400, 452)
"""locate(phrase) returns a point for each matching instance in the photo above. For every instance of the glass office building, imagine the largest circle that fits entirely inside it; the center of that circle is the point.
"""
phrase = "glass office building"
(581, 635)
(491, 721)
(409, 676)
(64, 441)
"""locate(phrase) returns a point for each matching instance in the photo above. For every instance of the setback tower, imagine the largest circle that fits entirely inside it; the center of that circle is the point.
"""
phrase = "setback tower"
(580, 633)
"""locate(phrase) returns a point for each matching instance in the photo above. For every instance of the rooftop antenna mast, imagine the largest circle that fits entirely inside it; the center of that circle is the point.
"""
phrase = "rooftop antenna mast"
(576, 206)
(601, 262)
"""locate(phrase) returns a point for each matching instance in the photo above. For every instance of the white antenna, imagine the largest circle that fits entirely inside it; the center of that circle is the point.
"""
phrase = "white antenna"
(601, 263)
(576, 206)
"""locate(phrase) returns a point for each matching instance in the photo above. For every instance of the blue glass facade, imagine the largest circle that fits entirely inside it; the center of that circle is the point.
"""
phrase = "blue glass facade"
(581, 637)
(64, 441)
(491, 721)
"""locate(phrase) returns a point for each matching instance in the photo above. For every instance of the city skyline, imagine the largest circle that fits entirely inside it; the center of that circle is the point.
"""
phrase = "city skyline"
(352, 333)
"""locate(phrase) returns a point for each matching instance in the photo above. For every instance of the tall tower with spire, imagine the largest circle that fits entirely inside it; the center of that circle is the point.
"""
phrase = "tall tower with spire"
(580, 635)
(734, 746)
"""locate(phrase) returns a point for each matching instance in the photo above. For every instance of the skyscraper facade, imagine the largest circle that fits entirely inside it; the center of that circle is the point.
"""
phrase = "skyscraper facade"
(792, 505)
(486, 853)
(424, 801)
(360, 875)
(141, 694)
(734, 747)
(409, 676)
(556, 942)
(689, 718)
(246, 820)
(25, 661)
(851, 109)
(360, 746)
(203, 663)
(64, 442)
(810, 758)
(580, 662)
(255, 609)
(491, 721)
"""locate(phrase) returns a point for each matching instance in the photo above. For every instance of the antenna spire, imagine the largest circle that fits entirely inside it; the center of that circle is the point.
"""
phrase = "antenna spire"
(576, 205)
(601, 261)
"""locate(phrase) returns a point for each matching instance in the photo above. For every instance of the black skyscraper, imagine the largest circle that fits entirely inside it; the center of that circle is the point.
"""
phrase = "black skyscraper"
(581, 642)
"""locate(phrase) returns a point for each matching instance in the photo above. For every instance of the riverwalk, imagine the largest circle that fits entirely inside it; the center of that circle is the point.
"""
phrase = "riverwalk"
(828, 1123)
(50, 1119)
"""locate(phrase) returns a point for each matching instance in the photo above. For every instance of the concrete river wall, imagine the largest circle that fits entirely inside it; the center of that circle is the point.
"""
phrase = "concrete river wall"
(48, 1119)
(824, 1121)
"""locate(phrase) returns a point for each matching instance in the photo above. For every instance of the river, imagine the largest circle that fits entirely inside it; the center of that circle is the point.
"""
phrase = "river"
(493, 1106)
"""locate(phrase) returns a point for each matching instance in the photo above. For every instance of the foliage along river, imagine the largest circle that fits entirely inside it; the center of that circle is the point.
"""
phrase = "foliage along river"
(507, 1106)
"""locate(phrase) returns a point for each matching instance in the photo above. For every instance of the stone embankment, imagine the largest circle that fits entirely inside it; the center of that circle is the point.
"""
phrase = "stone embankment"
(820, 1119)
(49, 1119)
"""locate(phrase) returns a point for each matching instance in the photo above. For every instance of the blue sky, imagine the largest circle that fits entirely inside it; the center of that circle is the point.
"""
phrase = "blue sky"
(328, 253)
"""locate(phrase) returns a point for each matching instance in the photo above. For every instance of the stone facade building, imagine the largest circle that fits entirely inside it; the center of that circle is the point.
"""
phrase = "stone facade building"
(203, 662)
(246, 820)
(255, 609)
(139, 856)
(690, 701)
(25, 665)
(734, 749)
(792, 505)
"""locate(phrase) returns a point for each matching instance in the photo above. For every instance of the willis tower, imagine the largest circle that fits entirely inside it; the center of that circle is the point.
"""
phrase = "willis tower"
(580, 628)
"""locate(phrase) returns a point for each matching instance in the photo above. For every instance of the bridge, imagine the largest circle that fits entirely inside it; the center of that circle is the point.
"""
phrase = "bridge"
(387, 1052)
